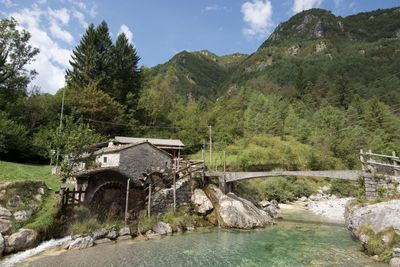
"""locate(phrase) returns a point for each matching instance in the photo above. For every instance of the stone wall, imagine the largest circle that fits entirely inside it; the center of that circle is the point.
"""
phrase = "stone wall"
(142, 158)
(380, 186)
(164, 199)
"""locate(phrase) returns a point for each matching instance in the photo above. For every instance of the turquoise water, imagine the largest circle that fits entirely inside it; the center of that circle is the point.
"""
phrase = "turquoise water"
(289, 243)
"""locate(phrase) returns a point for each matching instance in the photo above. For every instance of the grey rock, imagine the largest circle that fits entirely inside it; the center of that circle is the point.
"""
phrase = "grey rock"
(124, 237)
(66, 244)
(102, 241)
(5, 225)
(81, 243)
(23, 215)
(37, 197)
(202, 203)
(151, 234)
(303, 199)
(236, 212)
(75, 237)
(14, 201)
(41, 190)
(379, 216)
(396, 252)
(394, 262)
(4, 213)
(264, 203)
(1, 244)
(124, 231)
(21, 240)
(364, 239)
(99, 233)
(315, 197)
(162, 228)
(112, 235)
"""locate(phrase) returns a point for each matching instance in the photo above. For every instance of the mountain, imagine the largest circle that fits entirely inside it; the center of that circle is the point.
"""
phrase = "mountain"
(314, 53)
(197, 74)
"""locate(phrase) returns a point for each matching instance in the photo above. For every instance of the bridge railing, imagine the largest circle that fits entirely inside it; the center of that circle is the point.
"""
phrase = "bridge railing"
(380, 163)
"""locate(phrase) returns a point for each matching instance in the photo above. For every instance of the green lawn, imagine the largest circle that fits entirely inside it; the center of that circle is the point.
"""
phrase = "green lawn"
(10, 172)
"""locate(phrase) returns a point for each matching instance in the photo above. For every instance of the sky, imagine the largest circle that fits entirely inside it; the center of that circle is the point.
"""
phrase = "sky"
(158, 28)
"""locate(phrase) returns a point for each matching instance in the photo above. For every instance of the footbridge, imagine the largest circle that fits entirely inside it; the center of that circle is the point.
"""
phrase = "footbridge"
(226, 178)
(377, 170)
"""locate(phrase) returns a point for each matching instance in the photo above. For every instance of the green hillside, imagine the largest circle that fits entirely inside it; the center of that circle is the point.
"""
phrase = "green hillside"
(329, 82)
(11, 172)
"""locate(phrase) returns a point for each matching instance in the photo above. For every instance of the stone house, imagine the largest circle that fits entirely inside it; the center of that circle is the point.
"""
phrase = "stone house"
(105, 184)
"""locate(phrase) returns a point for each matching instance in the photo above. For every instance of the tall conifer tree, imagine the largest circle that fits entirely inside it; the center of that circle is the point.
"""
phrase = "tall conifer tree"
(126, 73)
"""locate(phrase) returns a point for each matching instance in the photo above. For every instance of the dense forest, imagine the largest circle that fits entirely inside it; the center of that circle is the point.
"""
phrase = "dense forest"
(319, 89)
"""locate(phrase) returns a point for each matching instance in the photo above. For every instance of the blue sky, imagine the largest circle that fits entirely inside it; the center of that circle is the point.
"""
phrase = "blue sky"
(159, 28)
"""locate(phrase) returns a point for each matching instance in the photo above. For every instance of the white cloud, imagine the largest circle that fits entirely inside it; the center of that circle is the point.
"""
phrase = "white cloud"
(57, 17)
(301, 5)
(61, 34)
(125, 29)
(52, 60)
(80, 17)
(60, 15)
(258, 15)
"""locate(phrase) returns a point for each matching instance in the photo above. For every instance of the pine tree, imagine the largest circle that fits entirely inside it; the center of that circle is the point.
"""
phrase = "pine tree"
(126, 73)
(92, 60)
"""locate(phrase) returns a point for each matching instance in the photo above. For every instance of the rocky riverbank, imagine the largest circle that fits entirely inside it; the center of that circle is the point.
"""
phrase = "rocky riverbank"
(377, 226)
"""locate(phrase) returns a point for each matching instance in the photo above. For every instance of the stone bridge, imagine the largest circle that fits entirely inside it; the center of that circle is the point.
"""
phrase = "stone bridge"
(226, 178)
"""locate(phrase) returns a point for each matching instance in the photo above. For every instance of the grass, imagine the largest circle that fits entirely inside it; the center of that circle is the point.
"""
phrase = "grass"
(11, 172)
(45, 219)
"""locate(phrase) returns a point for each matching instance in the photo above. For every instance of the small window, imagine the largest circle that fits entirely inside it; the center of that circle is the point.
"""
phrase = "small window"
(104, 159)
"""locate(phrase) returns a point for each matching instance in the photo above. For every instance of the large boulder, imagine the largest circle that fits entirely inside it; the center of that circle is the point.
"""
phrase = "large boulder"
(232, 211)
(4, 213)
(125, 231)
(379, 216)
(1, 244)
(22, 215)
(99, 233)
(162, 228)
(203, 204)
(5, 225)
(81, 243)
(21, 240)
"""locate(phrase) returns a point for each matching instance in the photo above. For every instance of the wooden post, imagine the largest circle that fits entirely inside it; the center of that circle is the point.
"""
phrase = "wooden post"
(174, 182)
(396, 173)
(190, 179)
(362, 159)
(210, 146)
(126, 201)
(149, 202)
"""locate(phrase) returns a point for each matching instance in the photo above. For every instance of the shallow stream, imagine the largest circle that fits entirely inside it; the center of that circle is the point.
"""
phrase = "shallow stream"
(299, 240)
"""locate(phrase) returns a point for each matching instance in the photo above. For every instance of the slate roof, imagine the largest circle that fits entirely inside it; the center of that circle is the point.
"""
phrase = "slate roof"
(160, 143)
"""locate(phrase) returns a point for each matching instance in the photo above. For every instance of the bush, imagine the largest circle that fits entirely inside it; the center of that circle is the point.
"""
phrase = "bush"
(344, 188)
(145, 224)
(84, 227)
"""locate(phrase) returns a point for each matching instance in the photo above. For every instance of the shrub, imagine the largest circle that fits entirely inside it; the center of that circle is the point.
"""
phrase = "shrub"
(84, 227)
(344, 188)
(145, 224)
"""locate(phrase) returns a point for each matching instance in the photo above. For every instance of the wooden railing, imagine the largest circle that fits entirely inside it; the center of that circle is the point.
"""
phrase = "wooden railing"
(380, 163)
(72, 197)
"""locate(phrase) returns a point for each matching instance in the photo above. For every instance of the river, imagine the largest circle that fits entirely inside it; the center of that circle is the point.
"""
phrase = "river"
(301, 239)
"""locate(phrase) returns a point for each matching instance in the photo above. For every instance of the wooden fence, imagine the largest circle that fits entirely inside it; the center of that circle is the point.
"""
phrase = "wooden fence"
(71, 197)
(380, 163)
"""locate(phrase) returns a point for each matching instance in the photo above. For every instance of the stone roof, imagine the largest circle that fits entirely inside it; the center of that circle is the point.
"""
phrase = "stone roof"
(160, 143)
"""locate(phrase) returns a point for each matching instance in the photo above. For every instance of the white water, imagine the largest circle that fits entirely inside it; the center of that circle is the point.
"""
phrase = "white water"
(13, 259)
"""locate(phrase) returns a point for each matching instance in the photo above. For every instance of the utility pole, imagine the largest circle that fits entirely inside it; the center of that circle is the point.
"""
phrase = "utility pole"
(61, 122)
(210, 145)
